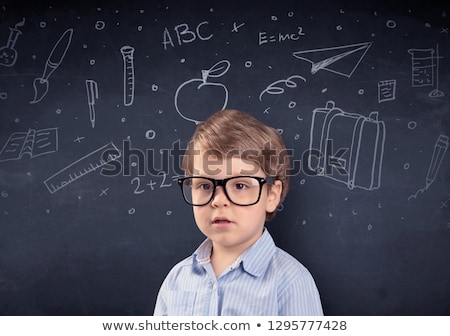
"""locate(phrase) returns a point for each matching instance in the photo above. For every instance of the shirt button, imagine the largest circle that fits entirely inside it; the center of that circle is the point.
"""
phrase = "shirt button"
(214, 287)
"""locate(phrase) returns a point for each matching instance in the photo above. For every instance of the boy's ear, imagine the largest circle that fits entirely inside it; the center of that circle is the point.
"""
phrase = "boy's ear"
(274, 195)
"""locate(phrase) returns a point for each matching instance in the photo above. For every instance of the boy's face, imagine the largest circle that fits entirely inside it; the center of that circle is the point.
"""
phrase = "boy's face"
(229, 225)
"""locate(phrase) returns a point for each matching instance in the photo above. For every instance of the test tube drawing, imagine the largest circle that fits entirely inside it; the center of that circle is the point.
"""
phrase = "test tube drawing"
(128, 75)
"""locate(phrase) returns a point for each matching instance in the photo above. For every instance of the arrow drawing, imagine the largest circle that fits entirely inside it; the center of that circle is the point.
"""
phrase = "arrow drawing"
(328, 58)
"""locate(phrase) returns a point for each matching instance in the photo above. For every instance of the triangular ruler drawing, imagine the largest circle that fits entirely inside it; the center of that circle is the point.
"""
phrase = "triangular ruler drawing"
(342, 60)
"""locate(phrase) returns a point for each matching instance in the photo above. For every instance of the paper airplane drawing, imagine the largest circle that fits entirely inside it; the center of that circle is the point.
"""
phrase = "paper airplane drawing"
(342, 60)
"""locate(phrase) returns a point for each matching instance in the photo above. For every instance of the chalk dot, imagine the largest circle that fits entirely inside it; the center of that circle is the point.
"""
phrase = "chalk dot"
(182, 60)
(369, 227)
(139, 28)
(131, 211)
(448, 225)
(302, 182)
(43, 24)
(428, 25)
(123, 120)
(3, 95)
(324, 90)
(297, 136)
(4, 194)
(248, 64)
(339, 27)
(412, 125)
(154, 87)
(133, 164)
(280, 207)
(99, 25)
(47, 211)
(391, 24)
(290, 14)
(92, 62)
(150, 134)
(280, 130)
(168, 213)
(274, 18)
(160, 111)
(16, 120)
(354, 213)
(406, 166)
(141, 11)
(361, 91)
(292, 104)
(330, 214)
(304, 222)
(58, 111)
(84, 46)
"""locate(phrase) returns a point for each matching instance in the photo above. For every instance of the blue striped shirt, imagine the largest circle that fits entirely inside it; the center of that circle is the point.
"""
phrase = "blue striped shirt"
(264, 280)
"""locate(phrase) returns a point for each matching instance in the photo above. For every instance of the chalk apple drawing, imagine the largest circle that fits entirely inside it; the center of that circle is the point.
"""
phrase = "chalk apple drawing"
(198, 98)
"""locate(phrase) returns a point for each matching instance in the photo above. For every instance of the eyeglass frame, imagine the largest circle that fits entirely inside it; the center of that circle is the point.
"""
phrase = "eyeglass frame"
(222, 183)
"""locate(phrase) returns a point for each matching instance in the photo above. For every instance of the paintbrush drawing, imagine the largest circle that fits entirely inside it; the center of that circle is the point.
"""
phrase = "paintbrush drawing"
(54, 60)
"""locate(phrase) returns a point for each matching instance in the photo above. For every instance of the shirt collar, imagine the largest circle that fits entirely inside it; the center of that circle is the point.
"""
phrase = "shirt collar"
(254, 260)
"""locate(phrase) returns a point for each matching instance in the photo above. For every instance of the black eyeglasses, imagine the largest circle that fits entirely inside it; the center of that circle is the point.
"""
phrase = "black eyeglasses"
(240, 190)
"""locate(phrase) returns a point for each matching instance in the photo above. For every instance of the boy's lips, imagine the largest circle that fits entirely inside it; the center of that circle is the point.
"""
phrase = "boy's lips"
(221, 221)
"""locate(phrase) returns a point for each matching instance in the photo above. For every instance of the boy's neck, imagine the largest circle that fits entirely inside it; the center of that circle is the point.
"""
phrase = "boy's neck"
(222, 256)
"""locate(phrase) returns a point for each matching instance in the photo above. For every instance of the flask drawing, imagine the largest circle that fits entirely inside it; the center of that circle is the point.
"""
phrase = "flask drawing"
(128, 74)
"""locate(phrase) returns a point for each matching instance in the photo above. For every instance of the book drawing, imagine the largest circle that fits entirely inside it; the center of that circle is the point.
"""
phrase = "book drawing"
(32, 144)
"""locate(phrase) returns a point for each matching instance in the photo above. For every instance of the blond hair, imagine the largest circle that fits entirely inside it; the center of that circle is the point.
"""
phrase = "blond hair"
(231, 131)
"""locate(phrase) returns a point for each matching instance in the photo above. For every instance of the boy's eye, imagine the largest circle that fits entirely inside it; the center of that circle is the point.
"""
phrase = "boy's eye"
(206, 186)
(240, 186)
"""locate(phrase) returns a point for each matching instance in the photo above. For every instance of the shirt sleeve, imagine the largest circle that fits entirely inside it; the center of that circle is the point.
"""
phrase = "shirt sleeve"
(300, 297)
(161, 302)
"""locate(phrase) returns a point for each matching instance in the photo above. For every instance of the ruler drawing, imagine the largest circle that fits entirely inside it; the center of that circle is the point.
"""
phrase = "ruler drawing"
(81, 167)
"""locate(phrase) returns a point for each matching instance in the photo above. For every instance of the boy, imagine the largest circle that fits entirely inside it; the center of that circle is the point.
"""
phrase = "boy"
(236, 177)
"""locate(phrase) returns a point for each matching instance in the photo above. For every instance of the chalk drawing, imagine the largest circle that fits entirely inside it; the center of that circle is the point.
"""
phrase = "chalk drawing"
(200, 92)
(348, 147)
(8, 53)
(276, 89)
(54, 60)
(32, 143)
(128, 74)
(440, 148)
(352, 52)
(81, 167)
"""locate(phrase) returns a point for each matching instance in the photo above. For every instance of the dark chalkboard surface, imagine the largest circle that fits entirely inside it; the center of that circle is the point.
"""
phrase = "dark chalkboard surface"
(98, 100)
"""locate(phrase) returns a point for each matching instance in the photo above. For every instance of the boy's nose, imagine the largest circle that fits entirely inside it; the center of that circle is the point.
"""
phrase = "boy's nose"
(219, 198)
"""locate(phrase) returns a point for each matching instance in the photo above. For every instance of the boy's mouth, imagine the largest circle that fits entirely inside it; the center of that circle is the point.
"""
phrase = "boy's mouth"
(221, 220)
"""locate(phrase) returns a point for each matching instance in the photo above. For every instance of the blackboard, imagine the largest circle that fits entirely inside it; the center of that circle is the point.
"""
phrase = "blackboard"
(366, 84)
